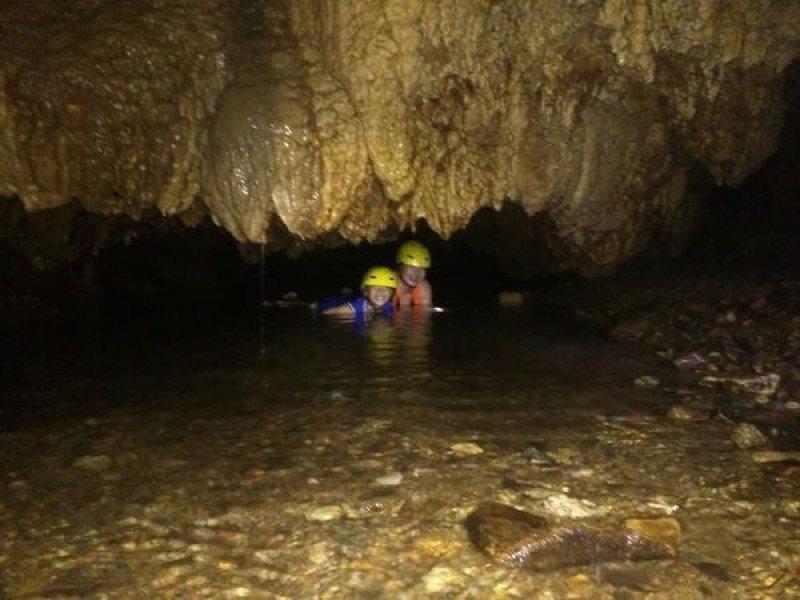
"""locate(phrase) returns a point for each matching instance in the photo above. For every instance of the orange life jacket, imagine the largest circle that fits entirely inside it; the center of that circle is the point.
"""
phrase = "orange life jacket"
(415, 293)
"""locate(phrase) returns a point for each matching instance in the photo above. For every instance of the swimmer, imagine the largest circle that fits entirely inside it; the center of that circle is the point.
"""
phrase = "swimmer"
(377, 287)
(413, 261)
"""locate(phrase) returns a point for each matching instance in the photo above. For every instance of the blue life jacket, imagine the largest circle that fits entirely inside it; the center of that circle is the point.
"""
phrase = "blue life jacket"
(359, 306)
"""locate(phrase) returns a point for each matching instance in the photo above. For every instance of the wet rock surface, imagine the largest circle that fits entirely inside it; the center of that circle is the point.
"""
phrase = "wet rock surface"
(735, 339)
(359, 117)
(230, 476)
(520, 539)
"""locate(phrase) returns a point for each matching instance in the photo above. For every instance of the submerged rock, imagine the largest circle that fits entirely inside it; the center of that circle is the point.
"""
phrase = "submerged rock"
(442, 580)
(690, 361)
(520, 539)
(325, 513)
(466, 449)
(747, 435)
(664, 529)
(763, 385)
(775, 457)
(538, 457)
(713, 570)
(561, 505)
(98, 462)
(686, 413)
(632, 330)
(646, 381)
(390, 479)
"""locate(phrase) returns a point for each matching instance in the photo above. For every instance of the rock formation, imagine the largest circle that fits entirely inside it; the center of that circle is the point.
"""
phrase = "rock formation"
(359, 117)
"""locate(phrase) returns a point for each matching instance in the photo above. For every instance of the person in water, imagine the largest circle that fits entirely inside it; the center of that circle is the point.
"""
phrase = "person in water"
(413, 262)
(377, 287)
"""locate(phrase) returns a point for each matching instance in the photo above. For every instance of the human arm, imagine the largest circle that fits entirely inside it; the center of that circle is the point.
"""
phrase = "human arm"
(341, 309)
(425, 294)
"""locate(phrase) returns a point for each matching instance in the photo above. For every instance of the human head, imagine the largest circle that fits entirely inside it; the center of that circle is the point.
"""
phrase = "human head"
(413, 259)
(378, 285)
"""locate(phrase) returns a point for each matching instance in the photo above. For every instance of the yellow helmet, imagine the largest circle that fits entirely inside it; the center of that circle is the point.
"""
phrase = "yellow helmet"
(380, 276)
(414, 254)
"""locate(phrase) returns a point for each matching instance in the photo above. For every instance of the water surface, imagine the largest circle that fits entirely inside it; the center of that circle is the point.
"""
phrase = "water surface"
(196, 457)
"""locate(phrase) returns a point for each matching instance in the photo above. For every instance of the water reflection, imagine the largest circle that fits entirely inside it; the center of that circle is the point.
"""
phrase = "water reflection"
(396, 350)
(293, 355)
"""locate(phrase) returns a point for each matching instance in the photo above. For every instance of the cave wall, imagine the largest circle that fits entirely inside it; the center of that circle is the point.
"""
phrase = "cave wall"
(356, 117)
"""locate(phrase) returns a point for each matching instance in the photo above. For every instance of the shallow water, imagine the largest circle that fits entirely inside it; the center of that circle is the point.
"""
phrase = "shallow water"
(239, 456)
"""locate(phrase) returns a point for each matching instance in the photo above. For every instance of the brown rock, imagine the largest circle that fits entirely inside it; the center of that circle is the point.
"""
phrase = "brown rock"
(664, 529)
(747, 435)
(686, 413)
(773, 457)
(578, 584)
(520, 539)
(634, 329)
(439, 547)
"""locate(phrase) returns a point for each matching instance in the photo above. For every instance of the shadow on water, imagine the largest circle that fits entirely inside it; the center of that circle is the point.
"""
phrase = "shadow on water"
(227, 361)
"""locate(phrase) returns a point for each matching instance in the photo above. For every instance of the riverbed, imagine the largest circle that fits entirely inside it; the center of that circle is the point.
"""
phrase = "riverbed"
(279, 455)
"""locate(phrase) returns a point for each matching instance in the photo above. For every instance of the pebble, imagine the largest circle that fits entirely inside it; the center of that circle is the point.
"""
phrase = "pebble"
(170, 576)
(763, 385)
(325, 513)
(646, 381)
(203, 533)
(170, 557)
(561, 505)
(391, 478)
(441, 580)
(661, 505)
(747, 435)
(790, 508)
(466, 449)
(578, 584)
(439, 547)
(582, 473)
(510, 299)
(232, 538)
(535, 456)
(685, 413)
(664, 529)
(254, 474)
(634, 329)
(690, 361)
(321, 553)
(565, 455)
(771, 457)
(93, 463)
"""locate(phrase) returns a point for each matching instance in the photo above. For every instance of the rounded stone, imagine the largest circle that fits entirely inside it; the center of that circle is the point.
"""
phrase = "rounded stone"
(331, 512)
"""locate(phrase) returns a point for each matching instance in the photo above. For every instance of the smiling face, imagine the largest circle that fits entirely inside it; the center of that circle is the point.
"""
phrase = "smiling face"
(378, 295)
(411, 275)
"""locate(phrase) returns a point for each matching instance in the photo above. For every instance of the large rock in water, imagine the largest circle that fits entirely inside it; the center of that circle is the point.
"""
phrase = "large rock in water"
(520, 539)
(359, 117)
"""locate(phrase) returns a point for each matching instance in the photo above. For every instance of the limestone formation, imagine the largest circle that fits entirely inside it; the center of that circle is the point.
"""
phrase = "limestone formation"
(357, 118)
